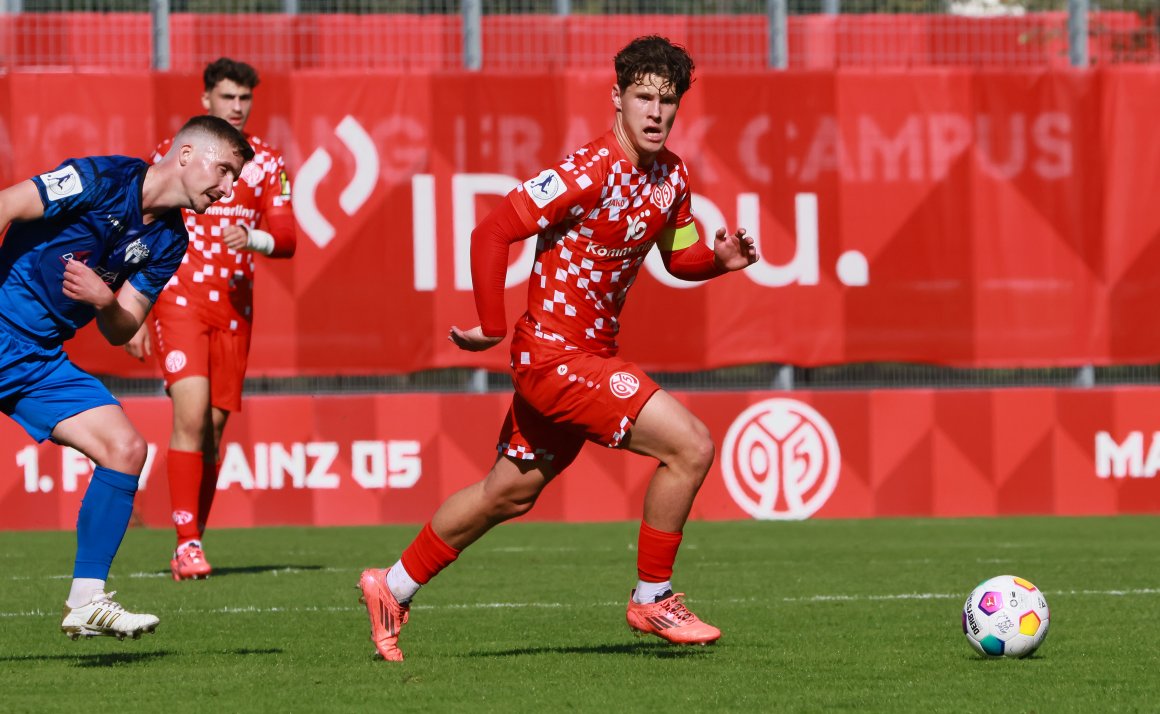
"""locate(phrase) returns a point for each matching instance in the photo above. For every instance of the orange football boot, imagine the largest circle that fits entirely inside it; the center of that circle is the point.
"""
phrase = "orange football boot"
(669, 619)
(190, 564)
(386, 614)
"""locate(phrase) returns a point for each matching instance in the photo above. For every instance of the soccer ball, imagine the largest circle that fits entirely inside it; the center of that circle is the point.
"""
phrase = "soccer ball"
(1006, 616)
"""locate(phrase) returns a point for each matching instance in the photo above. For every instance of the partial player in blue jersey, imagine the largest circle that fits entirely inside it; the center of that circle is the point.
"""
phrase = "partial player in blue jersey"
(97, 237)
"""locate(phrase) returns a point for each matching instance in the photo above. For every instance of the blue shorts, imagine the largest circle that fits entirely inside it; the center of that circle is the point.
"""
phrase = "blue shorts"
(40, 387)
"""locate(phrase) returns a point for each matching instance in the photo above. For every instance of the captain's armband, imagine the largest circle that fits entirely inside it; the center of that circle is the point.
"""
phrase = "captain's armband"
(672, 239)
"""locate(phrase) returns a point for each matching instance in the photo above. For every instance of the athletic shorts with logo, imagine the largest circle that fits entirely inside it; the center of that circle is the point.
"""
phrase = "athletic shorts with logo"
(566, 397)
(188, 347)
(40, 387)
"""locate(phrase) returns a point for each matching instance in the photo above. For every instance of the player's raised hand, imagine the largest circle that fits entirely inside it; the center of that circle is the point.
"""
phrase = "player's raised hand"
(472, 340)
(84, 285)
(734, 251)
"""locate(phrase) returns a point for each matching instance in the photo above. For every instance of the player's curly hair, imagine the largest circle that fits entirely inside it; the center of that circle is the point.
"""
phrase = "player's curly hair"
(653, 54)
(239, 73)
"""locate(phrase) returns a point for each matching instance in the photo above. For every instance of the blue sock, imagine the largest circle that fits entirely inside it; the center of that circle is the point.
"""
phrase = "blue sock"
(102, 521)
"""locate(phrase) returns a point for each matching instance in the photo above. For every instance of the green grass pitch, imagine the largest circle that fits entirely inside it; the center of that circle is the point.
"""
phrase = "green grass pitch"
(817, 616)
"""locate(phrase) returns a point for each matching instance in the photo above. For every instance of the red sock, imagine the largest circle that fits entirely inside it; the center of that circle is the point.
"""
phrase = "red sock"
(656, 551)
(185, 476)
(427, 555)
(209, 478)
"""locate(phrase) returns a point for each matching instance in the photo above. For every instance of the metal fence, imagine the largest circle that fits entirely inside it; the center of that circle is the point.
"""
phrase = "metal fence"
(511, 35)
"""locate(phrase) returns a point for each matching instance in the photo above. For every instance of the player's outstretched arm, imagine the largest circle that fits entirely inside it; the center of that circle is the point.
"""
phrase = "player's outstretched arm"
(472, 340)
(734, 251)
(19, 203)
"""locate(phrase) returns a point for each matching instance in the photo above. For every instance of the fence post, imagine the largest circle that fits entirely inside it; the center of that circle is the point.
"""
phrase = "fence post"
(775, 11)
(472, 34)
(1077, 32)
(159, 11)
(563, 7)
(831, 7)
(290, 7)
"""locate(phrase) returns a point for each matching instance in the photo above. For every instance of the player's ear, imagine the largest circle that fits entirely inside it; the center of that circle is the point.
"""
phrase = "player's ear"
(616, 97)
(205, 100)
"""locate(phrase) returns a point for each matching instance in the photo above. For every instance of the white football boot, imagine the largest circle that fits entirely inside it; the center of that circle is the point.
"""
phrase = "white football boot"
(103, 617)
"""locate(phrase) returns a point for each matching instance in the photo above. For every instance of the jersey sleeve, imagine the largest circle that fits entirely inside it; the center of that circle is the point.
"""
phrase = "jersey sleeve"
(150, 280)
(73, 187)
(683, 216)
(277, 210)
(558, 194)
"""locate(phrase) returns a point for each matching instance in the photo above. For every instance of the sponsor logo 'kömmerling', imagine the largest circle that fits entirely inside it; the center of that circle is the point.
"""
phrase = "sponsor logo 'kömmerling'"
(780, 460)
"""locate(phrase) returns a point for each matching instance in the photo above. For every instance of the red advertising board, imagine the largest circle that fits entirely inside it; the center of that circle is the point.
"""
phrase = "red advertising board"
(393, 458)
(967, 218)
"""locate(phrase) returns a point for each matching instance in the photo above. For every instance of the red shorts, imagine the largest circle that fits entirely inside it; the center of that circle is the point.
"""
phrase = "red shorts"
(187, 347)
(564, 398)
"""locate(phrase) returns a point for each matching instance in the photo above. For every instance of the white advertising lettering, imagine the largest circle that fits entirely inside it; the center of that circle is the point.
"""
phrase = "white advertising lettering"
(75, 470)
(851, 268)
(310, 465)
(1127, 458)
(918, 148)
(315, 465)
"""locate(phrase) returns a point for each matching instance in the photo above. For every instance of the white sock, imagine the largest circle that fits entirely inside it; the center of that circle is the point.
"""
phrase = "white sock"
(83, 590)
(402, 585)
(647, 592)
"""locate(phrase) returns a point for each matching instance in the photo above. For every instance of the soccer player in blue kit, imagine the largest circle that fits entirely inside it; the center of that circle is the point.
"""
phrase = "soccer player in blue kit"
(98, 237)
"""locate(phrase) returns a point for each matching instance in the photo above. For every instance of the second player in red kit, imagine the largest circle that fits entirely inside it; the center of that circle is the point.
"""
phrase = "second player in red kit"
(203, 318)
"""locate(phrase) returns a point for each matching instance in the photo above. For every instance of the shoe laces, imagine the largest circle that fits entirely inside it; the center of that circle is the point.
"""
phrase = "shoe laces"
(106, 600)
(192, 553)
(677, 609)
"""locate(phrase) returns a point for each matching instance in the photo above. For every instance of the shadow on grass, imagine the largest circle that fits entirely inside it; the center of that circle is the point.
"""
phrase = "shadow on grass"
(114, 659)
(103, 659)
(254, 570)
(659, 650)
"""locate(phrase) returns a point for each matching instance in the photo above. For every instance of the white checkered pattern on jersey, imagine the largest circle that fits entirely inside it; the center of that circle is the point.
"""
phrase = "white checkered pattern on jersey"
(618, 435)
(591, 249)
(519, 451)
(210, 270)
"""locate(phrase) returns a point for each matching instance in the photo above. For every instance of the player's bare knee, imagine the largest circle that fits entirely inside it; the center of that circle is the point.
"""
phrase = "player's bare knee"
(126, 453)
(699, 456)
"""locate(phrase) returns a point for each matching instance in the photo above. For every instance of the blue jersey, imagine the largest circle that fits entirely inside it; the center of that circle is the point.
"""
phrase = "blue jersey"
(92, 213)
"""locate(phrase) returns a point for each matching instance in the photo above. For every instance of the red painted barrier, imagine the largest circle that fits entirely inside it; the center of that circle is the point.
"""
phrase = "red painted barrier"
(393, 459)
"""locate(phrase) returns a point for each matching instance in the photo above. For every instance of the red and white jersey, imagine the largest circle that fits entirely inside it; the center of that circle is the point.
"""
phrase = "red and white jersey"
(599, 215)
(215, 282)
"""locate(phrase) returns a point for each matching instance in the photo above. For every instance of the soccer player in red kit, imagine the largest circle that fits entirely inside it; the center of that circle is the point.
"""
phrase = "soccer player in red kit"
(595, 215)
(203, 317)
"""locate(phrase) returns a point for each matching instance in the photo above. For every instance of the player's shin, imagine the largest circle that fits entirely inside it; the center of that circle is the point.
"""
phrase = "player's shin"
(185, 481)
(101, 523)
(656, 553)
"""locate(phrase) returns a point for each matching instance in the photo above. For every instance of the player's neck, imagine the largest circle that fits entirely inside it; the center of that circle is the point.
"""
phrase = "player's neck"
(634, 154)
(154, 202)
